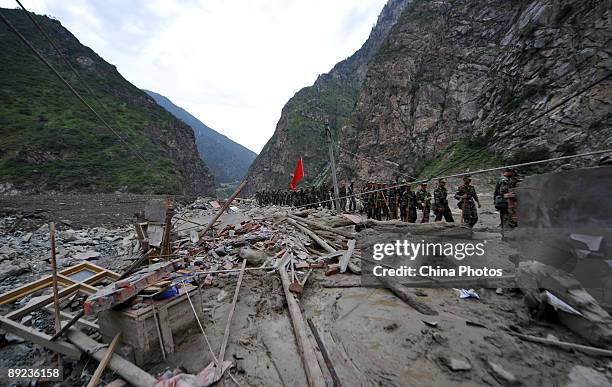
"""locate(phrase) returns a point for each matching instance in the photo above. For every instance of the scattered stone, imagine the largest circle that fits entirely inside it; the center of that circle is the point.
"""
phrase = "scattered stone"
(26, 320)
(8, 251)
(458, 365)
(581, 376)
(87, 256)
(499, 291)
(430, 323)
(26, 238)
(502, 376)
(8, 269)
(391, 327)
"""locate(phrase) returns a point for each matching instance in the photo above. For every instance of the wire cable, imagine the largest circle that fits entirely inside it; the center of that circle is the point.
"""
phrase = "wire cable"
(467, 173)
(561, 103)
(59, 76)
(67, 60)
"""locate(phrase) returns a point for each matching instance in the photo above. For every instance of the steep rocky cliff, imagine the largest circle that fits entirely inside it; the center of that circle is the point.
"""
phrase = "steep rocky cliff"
(50, 141)
(453, 77)
(331, 100)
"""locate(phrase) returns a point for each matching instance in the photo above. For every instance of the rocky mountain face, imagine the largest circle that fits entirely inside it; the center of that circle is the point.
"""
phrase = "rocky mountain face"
(50, 141)
(228, 161)
(455, 77)
(329, 101)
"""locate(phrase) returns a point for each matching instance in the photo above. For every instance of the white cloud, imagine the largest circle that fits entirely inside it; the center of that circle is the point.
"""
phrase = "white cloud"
(231, 63)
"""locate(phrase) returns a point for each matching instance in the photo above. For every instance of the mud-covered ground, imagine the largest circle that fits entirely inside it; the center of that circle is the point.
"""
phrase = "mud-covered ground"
(373, 337)
(76, 211)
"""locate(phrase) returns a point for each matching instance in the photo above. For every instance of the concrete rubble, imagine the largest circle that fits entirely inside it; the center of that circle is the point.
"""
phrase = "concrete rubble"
(301, 317)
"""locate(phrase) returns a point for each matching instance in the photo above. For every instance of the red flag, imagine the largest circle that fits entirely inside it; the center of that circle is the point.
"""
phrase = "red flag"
(298, 173)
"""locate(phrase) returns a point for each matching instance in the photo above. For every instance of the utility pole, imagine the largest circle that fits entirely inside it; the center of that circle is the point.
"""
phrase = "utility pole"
(332, 161)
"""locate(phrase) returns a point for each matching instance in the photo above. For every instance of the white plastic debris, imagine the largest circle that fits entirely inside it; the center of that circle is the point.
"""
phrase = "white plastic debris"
(557, 303)
(465, 293)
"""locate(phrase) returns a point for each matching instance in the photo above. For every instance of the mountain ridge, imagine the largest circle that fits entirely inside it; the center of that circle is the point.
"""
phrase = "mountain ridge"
(227, 159)
(300, 131)
(51, 142)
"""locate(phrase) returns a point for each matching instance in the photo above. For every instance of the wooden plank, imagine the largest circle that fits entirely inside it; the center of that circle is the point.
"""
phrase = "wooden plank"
(56, 306)
(62, 277)
(402, 293)
(32, 335)
(81, 322)
(324, 353)
(219, 370)
(320, 226)
(95, 379)
(314, 375)
(222, 210)
(166, 332)
(19, 313)
(346, 258)
(128, 371)
(24, 290)
(565, 345)
(313, 236)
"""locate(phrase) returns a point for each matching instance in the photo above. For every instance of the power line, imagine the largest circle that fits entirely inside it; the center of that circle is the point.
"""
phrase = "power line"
(67, 61)
(371, 160)
(561, 103)
(59, 76)
(594, 153)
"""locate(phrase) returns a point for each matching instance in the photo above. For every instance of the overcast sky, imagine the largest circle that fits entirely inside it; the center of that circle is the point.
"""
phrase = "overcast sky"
(231, 63)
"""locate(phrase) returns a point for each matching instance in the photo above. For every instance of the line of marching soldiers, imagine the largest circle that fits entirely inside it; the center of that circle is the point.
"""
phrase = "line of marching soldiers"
(388, 202)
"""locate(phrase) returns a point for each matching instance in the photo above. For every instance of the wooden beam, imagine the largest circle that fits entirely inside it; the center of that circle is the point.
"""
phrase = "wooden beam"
(565, 345)
(314, 375)
(32, 335)
(346, 258)
(219, 370)
(128, 371)
(63, 278)
(56, 306)
(81, 322)
(320, 226)
(222, 209)
(19, 313)
(313, 236)
(24, 290)
(95, 379)
(324, 353)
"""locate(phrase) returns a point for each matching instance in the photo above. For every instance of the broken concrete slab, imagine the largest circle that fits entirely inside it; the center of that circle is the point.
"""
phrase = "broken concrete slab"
(502, 376)
(87, 256)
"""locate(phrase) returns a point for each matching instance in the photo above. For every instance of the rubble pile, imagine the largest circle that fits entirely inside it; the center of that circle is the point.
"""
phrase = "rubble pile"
(207, 292)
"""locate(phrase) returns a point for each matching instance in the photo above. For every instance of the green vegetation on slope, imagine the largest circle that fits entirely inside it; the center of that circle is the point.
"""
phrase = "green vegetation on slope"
(455, 158)
(51, 141)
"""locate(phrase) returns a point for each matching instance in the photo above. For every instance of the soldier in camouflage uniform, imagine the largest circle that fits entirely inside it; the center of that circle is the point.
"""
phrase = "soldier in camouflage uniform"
(392, 200)
(368, 199)
(467, 197)
(384, 205)
(412, 205)
(403, 203)
(377, 201)
(352, 201)
(441, 207)
(423, 198)
(342, 200)
(504, 199)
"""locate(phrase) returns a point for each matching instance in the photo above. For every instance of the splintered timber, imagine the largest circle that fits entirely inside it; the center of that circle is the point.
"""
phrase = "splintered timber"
(437, 271)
